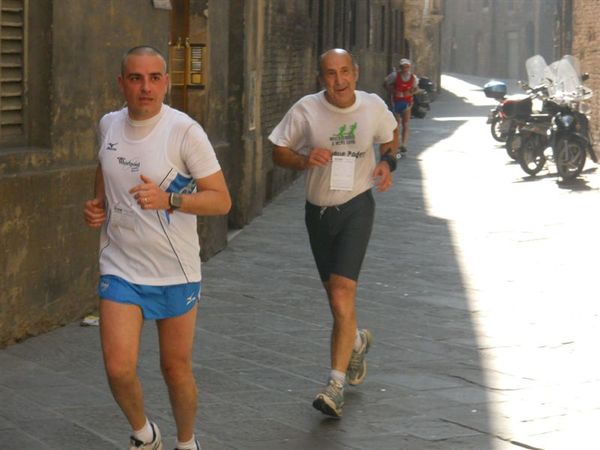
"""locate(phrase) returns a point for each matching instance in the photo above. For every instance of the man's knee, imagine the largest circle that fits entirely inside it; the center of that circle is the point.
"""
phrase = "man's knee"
(176, 370)
(342, 292)
(121, 372)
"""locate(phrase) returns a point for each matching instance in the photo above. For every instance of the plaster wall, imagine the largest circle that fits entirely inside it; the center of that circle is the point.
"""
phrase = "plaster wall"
(49, 258)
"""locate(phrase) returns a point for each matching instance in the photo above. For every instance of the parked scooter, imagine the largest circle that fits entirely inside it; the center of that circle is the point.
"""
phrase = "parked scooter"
(499, 126)
(535, 133)
(570, 136)
(515, 110)
(562, 134)
(422, 99)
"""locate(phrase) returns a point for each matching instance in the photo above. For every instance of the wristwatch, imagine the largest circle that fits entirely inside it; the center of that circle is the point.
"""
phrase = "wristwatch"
(175, 200)
(390, 160)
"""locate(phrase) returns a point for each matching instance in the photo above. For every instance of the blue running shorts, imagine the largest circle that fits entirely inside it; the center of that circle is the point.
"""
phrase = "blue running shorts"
(156, 302)
(400, 106)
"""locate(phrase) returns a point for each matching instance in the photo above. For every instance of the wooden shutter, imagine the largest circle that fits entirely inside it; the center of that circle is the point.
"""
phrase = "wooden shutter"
(12, 55)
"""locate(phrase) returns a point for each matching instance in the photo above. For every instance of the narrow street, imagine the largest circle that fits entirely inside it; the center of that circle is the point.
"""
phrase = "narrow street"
(478, 286)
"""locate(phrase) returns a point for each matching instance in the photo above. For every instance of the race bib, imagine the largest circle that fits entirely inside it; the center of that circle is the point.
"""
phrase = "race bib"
(342, 173)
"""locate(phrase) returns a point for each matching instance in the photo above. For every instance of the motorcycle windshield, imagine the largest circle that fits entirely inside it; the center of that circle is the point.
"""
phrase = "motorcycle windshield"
(536, 70)
(568, 75)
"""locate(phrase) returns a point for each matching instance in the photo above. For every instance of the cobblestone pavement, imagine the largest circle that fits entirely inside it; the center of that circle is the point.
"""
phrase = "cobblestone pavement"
(478, 286)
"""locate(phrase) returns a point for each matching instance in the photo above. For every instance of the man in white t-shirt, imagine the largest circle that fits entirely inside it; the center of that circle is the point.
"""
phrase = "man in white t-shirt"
(331, 136)
(157, 171)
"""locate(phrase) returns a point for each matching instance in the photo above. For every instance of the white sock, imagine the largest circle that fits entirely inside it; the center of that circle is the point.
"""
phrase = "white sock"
(357, 341)
(145, 434)
(337, 376)
(189, 445)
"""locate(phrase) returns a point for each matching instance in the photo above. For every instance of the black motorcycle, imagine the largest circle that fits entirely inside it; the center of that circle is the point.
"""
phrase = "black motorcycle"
(571, 140)
(422, 99)
(534, 141)
(565, 126)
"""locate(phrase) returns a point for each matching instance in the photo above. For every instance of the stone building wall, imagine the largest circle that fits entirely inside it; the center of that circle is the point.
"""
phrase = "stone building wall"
(261, 57)
(289, 72)
(423, 33)
(48, 262)
(586, 46)
(493, 38)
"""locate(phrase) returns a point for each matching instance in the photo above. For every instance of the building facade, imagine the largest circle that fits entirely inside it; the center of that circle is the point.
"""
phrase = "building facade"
(579, 35)
(236, 66)
(494, 38)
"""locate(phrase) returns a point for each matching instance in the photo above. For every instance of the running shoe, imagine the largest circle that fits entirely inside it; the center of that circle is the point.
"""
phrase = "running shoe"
(331, 399)
(197, 446)
(156, 443)
(357, 369)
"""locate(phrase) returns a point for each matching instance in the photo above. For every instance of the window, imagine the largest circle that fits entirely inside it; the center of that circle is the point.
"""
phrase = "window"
(369, 24)
(352, 20)
(12, 71)
(382, 30)
(25, 74)
(397, 35)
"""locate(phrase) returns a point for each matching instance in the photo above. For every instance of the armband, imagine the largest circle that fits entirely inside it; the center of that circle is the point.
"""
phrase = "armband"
(390, 160)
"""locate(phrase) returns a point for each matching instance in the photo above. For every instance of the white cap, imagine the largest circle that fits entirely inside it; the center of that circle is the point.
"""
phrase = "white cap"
(405, 62)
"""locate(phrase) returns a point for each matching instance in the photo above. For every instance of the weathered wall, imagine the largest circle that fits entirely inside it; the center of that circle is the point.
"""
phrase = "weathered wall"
(262, 57)
(586, 46)
(494, 37)
(289, 71)
(376, 42)
(423, 30)
(48, 265)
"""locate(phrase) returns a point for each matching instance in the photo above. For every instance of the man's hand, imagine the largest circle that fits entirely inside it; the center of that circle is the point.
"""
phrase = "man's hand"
(382, 176)
(149, 196)
(318, 157)
(94, 213)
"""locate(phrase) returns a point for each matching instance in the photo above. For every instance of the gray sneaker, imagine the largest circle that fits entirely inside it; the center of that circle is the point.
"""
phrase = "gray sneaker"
(156, 444)
(331, 399)
(357, 369)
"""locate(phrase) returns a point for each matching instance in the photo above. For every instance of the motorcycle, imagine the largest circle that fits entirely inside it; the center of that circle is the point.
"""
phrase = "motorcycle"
(562, 132)
(536, 131)
(520, 110)
(514, 111)
(570, 136)
(498, 125)
(422, 99)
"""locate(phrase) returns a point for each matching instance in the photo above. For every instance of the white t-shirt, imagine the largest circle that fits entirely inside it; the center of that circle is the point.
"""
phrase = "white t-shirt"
(151, 247)
(349, 133)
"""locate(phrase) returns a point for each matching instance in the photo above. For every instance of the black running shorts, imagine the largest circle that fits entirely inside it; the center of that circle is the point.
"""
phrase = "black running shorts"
(339, 235)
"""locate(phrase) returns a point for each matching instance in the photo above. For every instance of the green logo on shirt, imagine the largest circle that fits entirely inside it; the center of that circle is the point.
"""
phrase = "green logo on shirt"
(345, 135)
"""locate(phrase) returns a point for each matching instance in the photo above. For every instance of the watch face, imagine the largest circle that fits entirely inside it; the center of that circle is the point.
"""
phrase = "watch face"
(176, 200)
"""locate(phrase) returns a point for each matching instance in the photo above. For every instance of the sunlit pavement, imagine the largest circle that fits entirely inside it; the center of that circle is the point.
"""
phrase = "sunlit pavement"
(528, 250)
(479, 287)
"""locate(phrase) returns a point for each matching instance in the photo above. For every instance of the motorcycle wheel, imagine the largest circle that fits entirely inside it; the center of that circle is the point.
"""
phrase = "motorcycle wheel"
(513, 144)
(531, 155)
(570, 158)
(496, 129)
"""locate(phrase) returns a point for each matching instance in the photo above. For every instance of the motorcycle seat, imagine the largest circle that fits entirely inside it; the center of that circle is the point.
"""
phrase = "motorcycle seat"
(540, 117)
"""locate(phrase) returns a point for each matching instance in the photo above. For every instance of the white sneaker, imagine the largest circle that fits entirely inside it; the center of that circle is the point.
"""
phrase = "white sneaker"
(197, 446)
(156, 443)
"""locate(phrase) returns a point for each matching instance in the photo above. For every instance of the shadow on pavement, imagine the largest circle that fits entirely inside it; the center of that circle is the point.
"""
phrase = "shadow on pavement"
(262, 346)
